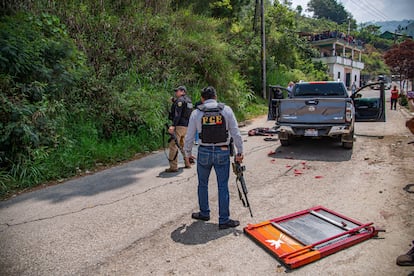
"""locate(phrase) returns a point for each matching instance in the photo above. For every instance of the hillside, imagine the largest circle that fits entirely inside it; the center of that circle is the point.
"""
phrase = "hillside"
(88, 83)
(404, 26)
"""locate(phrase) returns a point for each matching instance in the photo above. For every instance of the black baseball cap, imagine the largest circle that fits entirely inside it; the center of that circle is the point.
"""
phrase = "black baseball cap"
(181, 87)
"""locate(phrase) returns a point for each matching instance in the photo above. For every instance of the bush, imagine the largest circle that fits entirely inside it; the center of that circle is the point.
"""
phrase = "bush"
(39, 68)
(403, 101)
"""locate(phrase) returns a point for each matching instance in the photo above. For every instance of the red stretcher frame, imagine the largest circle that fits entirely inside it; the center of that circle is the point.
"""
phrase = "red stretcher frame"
(280, 238)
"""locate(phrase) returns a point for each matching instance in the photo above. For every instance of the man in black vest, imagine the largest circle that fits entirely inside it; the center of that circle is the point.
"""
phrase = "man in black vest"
(180, 113)
(216, 124)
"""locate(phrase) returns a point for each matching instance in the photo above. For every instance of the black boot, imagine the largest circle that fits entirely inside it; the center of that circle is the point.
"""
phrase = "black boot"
(406, 259)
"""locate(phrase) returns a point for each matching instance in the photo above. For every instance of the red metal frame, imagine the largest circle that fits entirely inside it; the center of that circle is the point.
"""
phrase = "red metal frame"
(292, 253)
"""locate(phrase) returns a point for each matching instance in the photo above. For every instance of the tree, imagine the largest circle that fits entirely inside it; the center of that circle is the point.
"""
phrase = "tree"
(228, 9)
(329, 9)
(400, 58)
(299, 9)
(370, 30)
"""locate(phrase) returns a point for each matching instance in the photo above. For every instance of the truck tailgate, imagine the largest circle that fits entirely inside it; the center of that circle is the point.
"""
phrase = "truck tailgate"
(312, 110)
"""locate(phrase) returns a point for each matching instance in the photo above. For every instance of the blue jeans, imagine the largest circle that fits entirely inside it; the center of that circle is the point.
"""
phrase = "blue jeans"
(219, 158)
(196, 137)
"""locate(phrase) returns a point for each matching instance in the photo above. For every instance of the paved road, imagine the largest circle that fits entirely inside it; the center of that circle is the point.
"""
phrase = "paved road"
(135, 220)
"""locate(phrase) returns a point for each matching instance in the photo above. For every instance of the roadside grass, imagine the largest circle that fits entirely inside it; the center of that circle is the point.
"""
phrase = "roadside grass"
(74, 159)
(255, 109)
(86, 151)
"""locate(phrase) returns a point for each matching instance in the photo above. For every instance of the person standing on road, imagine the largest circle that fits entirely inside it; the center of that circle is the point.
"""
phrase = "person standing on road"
(394, 97)
(290, 88)
(353, 88)
(196, 135)
(216, 125)
(181, 109)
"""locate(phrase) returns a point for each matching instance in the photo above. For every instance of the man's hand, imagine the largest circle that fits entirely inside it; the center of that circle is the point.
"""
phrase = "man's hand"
(171, 130)
(189, 160)
(239, 158)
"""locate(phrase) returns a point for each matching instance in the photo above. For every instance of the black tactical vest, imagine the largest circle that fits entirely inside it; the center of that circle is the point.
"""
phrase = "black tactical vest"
(213, 125)
(188, 107)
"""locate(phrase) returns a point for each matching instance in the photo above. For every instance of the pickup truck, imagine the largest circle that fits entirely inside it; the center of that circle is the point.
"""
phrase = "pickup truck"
(318, 109)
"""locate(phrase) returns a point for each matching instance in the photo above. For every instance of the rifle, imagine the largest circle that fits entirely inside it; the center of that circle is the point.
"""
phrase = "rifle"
(173, 137)
(238, 170)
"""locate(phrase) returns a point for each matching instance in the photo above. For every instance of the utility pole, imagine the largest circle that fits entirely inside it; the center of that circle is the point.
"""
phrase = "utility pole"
(263, 49)
(256, 15)
(349, 28)
(395, 36)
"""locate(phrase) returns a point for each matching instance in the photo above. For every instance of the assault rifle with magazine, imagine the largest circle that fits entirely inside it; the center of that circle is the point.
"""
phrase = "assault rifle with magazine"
(238, 170)
(173, 137)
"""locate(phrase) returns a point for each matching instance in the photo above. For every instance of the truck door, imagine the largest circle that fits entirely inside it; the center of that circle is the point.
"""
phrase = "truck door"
(276, 93)
(369, 104)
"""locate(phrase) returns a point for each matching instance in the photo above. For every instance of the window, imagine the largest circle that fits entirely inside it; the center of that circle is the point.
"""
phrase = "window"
(320, 89)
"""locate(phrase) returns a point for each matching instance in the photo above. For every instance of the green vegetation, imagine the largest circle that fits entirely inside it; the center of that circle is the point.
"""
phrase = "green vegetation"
(85, 83)
(329, 9)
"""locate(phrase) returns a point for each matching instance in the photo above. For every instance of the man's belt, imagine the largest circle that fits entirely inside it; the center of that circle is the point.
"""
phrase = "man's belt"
(215, 146)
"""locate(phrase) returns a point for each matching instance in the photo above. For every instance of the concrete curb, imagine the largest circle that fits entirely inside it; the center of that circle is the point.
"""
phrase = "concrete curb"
(406, 112)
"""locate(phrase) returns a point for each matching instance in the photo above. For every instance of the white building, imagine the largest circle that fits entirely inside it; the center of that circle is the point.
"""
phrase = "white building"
(342, 54)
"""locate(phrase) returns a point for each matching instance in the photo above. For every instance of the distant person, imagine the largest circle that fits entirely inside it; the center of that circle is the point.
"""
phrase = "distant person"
(394, 97)
(353, 88)
(290, 88)
(181, 109)
(196, 138)
(277, 93)
(216, 124)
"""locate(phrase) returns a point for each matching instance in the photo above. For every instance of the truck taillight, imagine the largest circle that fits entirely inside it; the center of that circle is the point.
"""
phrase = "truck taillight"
(348, 112)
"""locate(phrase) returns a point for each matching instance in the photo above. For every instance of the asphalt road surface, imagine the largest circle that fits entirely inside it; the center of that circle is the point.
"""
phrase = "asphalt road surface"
(134, 219)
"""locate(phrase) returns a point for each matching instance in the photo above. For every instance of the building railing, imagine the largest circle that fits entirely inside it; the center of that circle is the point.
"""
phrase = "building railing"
(337, 36)
(342, 61)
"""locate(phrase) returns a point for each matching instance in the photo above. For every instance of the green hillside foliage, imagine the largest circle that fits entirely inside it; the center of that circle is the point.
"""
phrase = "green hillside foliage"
(374, 47)
(88, 83)
(41, 71)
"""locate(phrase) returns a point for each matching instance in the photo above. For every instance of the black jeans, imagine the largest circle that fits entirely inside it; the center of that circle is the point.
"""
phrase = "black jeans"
(394, 103)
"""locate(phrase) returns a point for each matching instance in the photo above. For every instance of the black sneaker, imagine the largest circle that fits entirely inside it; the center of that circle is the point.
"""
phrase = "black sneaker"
(231, 223)
(200, 217)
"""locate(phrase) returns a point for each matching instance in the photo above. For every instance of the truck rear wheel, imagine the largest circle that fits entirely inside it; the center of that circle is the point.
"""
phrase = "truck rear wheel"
(285, 142)
(348, 140)
(285, 138)
(347, 145)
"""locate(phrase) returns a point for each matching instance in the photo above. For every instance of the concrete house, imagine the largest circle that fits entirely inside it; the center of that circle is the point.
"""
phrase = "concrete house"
(342, 53)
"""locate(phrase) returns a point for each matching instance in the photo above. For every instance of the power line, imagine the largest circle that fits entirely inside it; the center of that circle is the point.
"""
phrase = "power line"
(363, 6)
(375, 9)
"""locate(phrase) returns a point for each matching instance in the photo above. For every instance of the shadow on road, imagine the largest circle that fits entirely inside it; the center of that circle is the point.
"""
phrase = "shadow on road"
(324, 149)
(164, 174)
(86, 186)
(111, 179)
(200, 232)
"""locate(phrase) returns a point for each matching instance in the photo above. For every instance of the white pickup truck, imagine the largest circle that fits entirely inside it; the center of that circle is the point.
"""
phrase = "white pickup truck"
(317, 109)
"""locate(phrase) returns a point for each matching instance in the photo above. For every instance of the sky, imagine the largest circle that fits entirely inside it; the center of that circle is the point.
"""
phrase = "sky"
(373, 10)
